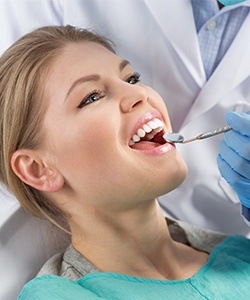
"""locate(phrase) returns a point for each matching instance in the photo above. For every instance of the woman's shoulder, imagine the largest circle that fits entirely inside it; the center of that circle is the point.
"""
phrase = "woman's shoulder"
(70, 264)
(235, 246)
(56, 288)
(197, 237)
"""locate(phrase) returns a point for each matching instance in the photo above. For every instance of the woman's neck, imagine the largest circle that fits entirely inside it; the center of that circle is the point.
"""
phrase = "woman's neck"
(136, 243)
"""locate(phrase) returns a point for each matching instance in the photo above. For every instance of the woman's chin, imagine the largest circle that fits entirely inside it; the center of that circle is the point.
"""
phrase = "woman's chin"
(175, 179)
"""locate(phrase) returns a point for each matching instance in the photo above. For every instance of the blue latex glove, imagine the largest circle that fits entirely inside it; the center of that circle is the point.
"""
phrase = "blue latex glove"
(234, 157)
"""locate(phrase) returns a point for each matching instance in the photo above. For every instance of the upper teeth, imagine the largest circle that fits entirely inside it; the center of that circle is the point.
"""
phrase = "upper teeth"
(155, 124)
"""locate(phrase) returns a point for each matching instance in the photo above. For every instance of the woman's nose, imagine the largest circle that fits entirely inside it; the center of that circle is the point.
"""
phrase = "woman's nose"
(132, 97)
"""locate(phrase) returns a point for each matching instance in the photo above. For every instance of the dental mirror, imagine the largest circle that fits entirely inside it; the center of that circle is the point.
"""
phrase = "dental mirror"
(173, 137)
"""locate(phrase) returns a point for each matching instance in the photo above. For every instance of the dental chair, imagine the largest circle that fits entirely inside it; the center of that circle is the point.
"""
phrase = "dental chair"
(25, 245)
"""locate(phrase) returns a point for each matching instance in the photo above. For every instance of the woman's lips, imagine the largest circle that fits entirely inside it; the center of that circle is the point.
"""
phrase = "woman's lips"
(147, 134)
(151, 148)
(151, 129)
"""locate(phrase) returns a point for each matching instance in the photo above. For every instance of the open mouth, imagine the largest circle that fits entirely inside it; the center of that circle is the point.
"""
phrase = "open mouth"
(149, 136)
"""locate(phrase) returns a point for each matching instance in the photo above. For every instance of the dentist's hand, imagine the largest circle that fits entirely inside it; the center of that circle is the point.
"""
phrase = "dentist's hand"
(234, 157)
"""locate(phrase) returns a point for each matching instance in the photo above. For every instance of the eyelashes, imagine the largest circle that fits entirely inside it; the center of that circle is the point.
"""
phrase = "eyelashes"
(97, 95)
(134, 78)
(91, 97)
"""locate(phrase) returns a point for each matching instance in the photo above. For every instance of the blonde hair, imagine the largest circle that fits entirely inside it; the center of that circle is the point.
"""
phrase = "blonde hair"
(22, 68)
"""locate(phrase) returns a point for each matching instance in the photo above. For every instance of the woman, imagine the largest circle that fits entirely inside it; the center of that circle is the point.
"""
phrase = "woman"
(82, 140)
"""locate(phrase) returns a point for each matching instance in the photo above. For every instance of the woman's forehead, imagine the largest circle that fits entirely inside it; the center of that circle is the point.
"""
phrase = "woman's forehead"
(81, 59)
(87, 52)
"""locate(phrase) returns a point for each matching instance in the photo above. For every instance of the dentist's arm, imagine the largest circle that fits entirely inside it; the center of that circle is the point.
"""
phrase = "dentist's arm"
(234, 158)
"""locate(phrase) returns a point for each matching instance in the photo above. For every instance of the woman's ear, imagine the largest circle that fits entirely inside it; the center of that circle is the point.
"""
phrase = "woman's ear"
(32, 170)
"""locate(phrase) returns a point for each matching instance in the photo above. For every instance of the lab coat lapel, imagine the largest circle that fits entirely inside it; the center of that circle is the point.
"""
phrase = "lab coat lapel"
(175, 19)
(233, 69)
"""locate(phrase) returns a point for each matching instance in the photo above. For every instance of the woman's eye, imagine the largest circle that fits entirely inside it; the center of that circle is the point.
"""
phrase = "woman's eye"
(133, 79)
(90, 98)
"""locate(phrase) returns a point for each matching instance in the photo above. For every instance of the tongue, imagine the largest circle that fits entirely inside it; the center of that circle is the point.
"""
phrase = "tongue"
(145, 145)
(158, 138)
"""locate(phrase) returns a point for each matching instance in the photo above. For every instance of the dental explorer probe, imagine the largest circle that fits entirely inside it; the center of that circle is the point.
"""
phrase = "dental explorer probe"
(173, 137)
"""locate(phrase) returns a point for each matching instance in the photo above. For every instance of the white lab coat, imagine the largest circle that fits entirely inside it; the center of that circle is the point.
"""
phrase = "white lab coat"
(160, 40)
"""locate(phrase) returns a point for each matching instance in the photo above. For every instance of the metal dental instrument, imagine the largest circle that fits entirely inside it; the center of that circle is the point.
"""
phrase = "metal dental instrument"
(173, 137)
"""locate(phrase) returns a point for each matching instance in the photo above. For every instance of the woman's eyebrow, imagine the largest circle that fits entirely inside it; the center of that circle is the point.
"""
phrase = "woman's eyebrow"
(123, 64)
(92, 77)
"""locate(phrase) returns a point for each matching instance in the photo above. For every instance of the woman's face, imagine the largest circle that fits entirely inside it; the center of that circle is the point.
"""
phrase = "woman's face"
(96, 110)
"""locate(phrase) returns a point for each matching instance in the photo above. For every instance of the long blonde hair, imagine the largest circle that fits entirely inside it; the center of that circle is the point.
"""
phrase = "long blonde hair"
(22, 68)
